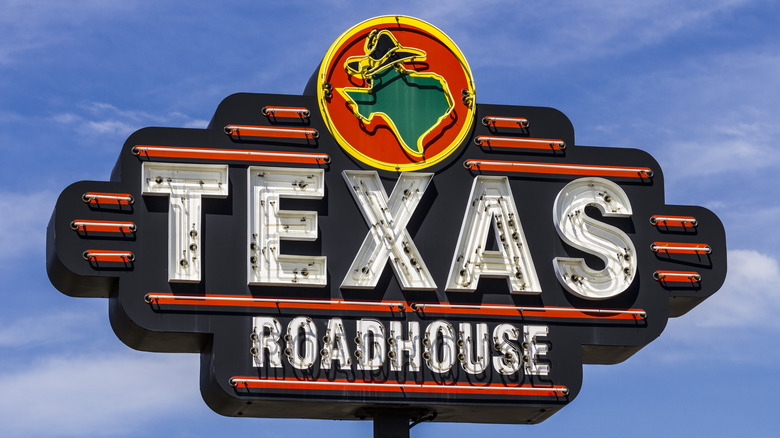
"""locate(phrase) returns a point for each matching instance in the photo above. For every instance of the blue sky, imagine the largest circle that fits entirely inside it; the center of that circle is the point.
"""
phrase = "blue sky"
(694, 83)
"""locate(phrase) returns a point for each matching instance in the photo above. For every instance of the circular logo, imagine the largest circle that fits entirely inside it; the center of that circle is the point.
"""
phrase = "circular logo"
(396, 93)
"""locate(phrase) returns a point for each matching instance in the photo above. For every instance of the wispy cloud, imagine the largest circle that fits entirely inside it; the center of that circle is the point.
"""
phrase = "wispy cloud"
(29, 25)
(46, 329)
(102, 122)
(96, 395)
(722, 113)
(23, 223)
(733, 325)
(534, 34)
(750, 296)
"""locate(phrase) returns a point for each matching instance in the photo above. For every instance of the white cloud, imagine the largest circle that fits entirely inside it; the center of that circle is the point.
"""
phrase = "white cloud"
(102, 123)
(534, 34)
(42, 330)
(735, 324)
(27, 25)
(196, 124)
(23, 223)
(720, 112)
(97, 395)
(113, 127)
(750, 296)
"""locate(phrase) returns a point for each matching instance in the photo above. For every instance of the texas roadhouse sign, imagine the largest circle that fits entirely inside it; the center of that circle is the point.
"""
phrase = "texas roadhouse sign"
(385, 242)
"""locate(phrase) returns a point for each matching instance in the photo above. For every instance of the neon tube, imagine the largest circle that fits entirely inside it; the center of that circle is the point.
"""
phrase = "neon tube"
(560, 169)
(230, 154)
(514, 142)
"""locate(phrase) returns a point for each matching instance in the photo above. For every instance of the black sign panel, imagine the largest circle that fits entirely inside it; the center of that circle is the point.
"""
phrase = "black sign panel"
(321, 276)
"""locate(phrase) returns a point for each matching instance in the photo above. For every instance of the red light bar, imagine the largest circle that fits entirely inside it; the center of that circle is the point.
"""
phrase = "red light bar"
(677, 276)
(230, 154)
(505, 122)
(108, 256)
(522, 143)
(402, 387)
(681, 248)
(107, 198)
(673, 221)
(558, 169)
(285, 111)
(392, 306)
(103, 226)
(268, 131)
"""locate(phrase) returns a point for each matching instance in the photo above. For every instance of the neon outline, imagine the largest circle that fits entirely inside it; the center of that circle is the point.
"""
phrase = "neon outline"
(435, 33)
(369, 77)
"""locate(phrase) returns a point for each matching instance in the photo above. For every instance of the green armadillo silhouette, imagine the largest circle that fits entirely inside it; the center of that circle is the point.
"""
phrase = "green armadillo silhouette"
(412, 103)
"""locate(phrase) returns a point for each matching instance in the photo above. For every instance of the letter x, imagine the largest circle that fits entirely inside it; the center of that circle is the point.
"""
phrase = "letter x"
(387, 236)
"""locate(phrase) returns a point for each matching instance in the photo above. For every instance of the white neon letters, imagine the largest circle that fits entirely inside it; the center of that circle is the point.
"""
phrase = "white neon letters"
(371, 345)
(610, 244)
(511, 349)
(532, 350)
(265, 337)
(184, 184)
(410, 345)
(473, 354)
(335, 348)
(268, 225)
(301, 341)
(508, 362)
(439, 344)
(491, 202)
(387, 236)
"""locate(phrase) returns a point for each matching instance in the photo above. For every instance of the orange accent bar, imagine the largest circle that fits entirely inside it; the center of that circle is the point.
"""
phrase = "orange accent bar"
(537, 312)
(393, 306)
(103, 226)
(677, 276)
(505, 122)
(274, 303)
(399, 387)
(673, 221)
(558, 169)
(230, 155)
(270, 131)
(680, 248)
(107, 198)
(285, 111)
(98, 255)
(519, 143)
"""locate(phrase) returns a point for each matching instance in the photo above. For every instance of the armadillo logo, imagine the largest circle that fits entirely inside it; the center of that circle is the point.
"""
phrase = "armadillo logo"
(396, 81)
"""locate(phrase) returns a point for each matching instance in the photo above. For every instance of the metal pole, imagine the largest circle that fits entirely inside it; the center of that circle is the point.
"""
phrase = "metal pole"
(391, 424)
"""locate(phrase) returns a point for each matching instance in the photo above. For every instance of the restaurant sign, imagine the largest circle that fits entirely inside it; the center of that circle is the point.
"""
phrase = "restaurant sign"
(385, 242)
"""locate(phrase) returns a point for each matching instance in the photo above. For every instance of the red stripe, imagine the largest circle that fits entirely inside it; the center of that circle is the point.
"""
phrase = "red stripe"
(677, 276)
(285, 112)
(484, 309)
(673, 221)
(109, 256)
(511, 122)
(680, 248)
(106, 198)
(558, 169)
(103, 226)
(521, 143)
(269, 131)
(231, 155)
(400, 387)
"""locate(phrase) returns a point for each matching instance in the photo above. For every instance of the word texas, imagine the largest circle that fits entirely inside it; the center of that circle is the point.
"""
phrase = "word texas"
(490, 204)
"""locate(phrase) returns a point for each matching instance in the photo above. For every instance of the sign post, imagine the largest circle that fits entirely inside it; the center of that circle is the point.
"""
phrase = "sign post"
(384, 246)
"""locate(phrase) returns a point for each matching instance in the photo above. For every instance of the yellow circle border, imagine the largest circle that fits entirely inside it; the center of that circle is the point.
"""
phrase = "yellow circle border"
(444, 39)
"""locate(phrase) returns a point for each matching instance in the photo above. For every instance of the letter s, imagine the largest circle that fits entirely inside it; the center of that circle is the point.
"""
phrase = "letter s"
(608, 243)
